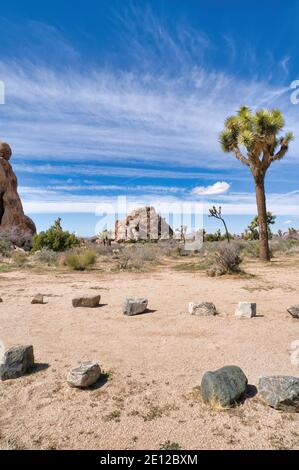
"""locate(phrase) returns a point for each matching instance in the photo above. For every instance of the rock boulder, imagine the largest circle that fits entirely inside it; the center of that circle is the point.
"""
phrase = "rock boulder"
(15, 226)
(223, 387)
(85, 375)
(134, 306)
(16, 362)
(142, 224)
(90, 302)
(203, 309)
(294, 311)
(246, 310)
(280, 392)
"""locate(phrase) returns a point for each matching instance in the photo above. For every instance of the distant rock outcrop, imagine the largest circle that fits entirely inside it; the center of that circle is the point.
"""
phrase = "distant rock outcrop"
(14, 224)
(142, 224)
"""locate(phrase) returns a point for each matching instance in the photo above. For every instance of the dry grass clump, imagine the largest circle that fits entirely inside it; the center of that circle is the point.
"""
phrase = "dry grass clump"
(80, 259)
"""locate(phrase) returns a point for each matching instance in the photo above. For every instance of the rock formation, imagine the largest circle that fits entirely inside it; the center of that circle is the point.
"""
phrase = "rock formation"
(142, 224)
(14, 224)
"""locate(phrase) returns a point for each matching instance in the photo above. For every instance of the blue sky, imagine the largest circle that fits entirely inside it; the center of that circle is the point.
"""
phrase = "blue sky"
(108, 98)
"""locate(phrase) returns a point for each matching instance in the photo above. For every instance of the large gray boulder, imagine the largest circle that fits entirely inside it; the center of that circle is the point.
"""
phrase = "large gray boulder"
(294, 311)
(223, 387)
(85, 375)
(90, 302)
(203, 309)
(16, 362)
(280, 392)
(134, 306)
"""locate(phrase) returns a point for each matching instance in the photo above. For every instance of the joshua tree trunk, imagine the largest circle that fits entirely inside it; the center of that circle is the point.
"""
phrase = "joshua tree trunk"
(226, 231)
(262, 216)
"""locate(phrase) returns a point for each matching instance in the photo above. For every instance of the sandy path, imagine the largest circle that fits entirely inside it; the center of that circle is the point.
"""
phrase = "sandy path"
(155, 360)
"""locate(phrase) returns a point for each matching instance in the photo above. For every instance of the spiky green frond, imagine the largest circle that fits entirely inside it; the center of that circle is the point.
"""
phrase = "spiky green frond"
(247, 139)
(268, 122)
(288, 137)
(232, 123)
(227, 140)
(244, 112)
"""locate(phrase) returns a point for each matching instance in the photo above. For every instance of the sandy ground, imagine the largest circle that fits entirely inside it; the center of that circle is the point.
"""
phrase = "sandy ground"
(154, 361)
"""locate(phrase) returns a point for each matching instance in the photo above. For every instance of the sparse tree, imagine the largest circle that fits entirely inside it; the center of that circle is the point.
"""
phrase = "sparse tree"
(214, 212)
(258, 134)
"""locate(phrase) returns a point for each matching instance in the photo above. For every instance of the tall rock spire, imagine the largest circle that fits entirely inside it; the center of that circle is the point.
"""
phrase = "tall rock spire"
(14, 224)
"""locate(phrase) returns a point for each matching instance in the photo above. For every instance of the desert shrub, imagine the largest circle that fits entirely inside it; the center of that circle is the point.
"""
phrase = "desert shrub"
(80, 260)
(250, 248)
(288, 247)
(227, 261)
(135, 256)
(6, 247)
(55, 238)
(103, 250)
(46, 256)
(19, 258)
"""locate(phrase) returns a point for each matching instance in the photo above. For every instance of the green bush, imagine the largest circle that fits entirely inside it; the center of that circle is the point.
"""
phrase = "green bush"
(55, 238)
(80, 260)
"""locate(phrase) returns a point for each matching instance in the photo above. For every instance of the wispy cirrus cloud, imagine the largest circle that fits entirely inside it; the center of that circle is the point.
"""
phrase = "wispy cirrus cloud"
(101, 114)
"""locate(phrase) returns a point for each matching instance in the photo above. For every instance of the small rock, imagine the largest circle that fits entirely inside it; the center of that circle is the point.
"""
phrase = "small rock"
(294, 311)
(224, 386)
(38, 299)
(134, 306)
(16, 362)
(246, 310)
(280, 392)
(204, 309)
(85, 375)
(90, 302)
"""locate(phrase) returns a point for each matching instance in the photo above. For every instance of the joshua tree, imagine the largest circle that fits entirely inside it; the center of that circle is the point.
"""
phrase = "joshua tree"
(259, 134)
(217, 214)
(253, 227)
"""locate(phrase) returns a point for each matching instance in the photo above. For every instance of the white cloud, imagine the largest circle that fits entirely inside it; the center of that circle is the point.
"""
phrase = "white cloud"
(220, 187)
(287, 222)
